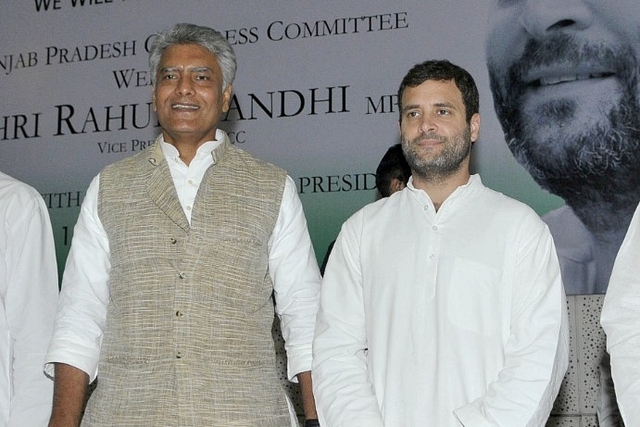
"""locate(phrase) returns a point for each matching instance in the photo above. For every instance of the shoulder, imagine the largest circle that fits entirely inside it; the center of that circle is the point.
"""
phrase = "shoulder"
(147, 156)
(13, 191)
(563, 219)
(511, 218)
(380, 211)
(570, 234)
(253, 163)
(500, 204)
(243, 167)
(139, 165)
(20, 205)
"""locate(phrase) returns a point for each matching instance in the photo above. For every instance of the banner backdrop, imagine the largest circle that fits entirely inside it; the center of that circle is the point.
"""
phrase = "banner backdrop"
(314, 93)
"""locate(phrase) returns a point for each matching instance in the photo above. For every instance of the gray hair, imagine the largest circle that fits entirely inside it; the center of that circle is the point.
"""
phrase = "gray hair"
(206, 37)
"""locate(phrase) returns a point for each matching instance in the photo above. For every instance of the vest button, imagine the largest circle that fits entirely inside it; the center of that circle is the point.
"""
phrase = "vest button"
(179, 313)
(174, 240)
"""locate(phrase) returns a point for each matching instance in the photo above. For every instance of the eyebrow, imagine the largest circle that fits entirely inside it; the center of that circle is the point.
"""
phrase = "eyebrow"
(445, 104)
(437, 105)
(192, 70)
(409, 107)
(201, 69)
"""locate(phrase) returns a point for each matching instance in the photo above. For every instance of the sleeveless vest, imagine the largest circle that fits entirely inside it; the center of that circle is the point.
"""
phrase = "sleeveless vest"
(188, 340)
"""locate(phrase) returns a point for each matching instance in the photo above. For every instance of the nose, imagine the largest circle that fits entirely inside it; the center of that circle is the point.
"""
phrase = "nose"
(427, 124)
(543, 17)
(185, 86)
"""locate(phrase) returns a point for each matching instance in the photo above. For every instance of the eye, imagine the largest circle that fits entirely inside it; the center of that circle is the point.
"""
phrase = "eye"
(412, 114)
(443, 112)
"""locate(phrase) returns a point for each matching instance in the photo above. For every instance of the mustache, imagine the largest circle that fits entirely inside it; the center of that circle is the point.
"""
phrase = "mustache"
(508, 86)
(602, 156)
(568, 50)
(427, 136)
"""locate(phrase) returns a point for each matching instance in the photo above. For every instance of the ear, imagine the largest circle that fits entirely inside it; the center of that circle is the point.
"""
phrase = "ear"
(396, 185)
(153, 98)
(226, 98)
(474, 125)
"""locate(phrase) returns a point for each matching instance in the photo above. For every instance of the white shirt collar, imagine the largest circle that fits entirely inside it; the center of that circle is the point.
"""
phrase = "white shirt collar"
(171, 152)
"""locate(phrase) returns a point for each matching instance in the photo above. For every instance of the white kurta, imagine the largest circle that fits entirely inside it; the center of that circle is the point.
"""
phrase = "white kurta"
(28, 297)
(621, 322)
(454, 318)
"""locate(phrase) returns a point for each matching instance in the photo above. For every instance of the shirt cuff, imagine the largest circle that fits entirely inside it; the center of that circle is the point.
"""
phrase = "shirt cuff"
(470, 415)
(83, 358)
(301, 362)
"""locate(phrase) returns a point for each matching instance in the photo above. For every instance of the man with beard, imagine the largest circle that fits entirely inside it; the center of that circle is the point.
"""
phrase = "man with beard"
(564, 79)
(565, 83)
(468, 327)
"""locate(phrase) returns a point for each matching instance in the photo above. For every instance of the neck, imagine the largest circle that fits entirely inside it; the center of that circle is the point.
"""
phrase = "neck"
(440, 188)
(603, 213)
(188, 145)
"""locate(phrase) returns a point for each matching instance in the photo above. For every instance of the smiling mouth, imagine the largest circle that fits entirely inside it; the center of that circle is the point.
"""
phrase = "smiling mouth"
(568, 78)
(184, 107)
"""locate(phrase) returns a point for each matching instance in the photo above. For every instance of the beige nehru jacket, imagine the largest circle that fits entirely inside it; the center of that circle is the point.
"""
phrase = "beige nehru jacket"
(188, 335)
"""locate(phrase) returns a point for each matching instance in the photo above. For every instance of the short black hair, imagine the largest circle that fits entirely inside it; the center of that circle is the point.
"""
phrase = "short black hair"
(443, 70)
(393, 165)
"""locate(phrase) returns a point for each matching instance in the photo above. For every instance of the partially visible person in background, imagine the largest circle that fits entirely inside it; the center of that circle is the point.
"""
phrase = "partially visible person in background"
(392, 175)
(393, 171)
(28, 297)
(621, 322)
